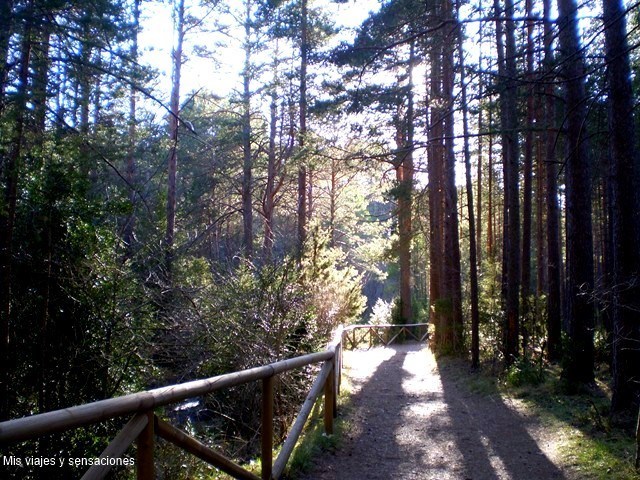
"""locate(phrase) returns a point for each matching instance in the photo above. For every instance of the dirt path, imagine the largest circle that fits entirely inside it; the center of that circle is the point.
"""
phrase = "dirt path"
(410, 419)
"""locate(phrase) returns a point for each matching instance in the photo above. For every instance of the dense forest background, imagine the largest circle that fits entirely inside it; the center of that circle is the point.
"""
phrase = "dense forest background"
(472, 164)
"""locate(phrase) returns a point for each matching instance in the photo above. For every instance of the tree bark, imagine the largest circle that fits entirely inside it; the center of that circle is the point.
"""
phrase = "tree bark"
(435, 169)
(637, 462)
(10, 175)
(479, 179)
(554, 344)
(626, 212)
(452, 277)
(270, 187)
(128, 235)
(527, 191)
(511, 235)
(541, 251)
(247, 155)
(173, 135)
(405, 203)
(473, 261)
(302, 170)
(580, 357)
(490, 215)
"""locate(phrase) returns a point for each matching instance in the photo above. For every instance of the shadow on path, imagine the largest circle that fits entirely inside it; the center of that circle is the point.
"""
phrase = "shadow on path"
(409, 418)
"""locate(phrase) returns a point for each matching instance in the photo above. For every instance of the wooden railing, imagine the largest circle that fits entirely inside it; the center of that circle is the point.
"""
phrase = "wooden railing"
(144, 425)
(385, 334)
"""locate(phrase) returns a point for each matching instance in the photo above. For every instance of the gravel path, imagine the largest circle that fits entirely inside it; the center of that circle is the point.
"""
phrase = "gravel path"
(410, 419)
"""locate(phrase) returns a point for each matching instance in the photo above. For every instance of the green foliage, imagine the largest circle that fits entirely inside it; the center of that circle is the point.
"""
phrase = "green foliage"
(490, 309)
(597, 448)
(312, 443)
(396, 312)
(253, 315)
(382, 312)
(334, 286)
(524, 372)
(421, 310)
(314, 440)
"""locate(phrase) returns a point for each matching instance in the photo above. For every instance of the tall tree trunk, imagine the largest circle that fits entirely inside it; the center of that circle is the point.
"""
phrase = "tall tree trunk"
(638, 443)
(541, 251)
(333, 194)
(473, 261)
(580, 357)
(527, 192)
(9, 176)
(302, 170)
(490, 216)
(270, 187)
(435, 168)
(479, 178)
(405, 178)
(511, 235)
(626, 212)
(174, 108)
(453, 281)
(247, 155)
(553, 210)
(41, 66)
(478, 223)
(607, 247)
(128, 234)
(310, 204)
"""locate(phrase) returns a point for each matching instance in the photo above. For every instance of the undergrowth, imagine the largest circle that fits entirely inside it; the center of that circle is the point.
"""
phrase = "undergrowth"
(311, 444)
(314, 441)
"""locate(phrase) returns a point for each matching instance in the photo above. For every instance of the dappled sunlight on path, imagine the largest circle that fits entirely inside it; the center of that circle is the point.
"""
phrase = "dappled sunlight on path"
(409, 418)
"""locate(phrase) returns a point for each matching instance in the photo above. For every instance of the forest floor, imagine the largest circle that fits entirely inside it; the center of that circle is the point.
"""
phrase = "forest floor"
(412, 416)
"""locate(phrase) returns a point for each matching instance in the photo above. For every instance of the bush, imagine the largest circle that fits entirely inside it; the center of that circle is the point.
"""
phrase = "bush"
(524, 372)
(335, 288)
(381, 313)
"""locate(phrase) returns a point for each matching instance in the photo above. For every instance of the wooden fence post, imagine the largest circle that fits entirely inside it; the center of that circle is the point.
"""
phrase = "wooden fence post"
(339, 369)
(145, 469)
(329, 399)
(267, 428)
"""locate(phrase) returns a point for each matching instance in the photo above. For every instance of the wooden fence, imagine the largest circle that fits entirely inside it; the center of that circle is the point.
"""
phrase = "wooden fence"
(144, 425)
(385, 334)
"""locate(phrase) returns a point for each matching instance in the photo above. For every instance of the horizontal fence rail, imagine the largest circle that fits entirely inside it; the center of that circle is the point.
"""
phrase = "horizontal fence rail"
(144, 425)
(383, 334)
